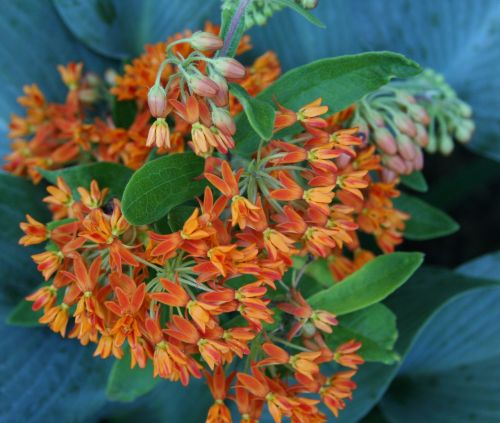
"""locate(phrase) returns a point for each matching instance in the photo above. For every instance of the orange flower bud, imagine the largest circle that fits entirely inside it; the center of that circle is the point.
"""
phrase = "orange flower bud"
(157, 101)
(202, 85)
(229, 67)
(202, 40)
(223, 121)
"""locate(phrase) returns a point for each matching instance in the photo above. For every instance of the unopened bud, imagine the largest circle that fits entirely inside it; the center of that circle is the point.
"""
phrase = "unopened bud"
(406, 147)
(464, 109)
(159, 134)
(385, 141)
(418, 161)
(419, 114)
(395, 163)
(405, 124)
(202, 85)
(229, 67)
(309, 4)
(223, 120)
(110, 76)
(445, 144)
(422, 137)
(157, 101)
(205, 41)
(220, 99)
(463, 132)
(88, 95)
(343, 160)
(387, 175)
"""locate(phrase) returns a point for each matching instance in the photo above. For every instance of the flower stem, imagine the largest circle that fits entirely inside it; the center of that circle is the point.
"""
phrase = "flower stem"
(238, 14)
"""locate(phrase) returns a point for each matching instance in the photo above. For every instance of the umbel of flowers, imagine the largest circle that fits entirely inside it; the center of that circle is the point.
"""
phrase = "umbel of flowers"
(221, 296)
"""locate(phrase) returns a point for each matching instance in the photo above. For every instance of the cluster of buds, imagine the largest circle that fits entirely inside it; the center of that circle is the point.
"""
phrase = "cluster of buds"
(258, 12)
(197, 93)
(407, 116)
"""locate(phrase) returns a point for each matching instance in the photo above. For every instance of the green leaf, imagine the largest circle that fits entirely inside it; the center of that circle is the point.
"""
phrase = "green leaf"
(301, 11)
(426, 222)
(375, 327)
(23, 315)
(369, 285)
(123, 112)
(126, 384)
(160, 185)
(259, 113)
(178, 216)
(415, 181)
(228, 14)
(108, 175)
(339, 81)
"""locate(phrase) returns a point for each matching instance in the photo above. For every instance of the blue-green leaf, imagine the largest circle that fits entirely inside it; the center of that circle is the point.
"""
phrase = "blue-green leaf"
(415, 181)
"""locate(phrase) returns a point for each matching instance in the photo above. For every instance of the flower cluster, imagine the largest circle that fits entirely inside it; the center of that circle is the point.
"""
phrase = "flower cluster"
(221, 295)
(84, 128)
(406, 116)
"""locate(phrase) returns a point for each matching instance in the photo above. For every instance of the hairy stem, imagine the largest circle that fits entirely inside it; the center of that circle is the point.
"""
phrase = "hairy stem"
(233, 26)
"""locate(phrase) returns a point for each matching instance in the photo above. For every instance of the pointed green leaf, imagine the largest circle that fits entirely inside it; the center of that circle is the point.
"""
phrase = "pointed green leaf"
(369, 285)
(111, 175)
(126, 384)
(415, 181)
(339, 81)
(259, 113)
(426, 222)
(160, 185)
(23, 315)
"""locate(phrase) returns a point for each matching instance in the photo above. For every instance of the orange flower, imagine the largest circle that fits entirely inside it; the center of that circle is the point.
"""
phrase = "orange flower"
(338, 388)
(35, 231)
(43, 297)
(219, 386)
(57, 318)
(94, 198)
(345, 356)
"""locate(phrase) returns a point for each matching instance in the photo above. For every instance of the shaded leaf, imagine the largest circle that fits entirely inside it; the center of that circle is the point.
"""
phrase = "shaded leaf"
(160, 185)
(260, 114)
(126, 384)
(303, 12)
(123, 112)
(426, 222)
(375, 327)
(415, 181)
(369, 285)
(111, 175)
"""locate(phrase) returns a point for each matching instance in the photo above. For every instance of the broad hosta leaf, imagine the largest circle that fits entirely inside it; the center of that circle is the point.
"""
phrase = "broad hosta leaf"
(168, 402)
(21, 22)
(452, 371)
(126, 384)
(458, 38)
(260, 114)
(233, 21)
(120, 29)
(417, 306)
(160, 185)
(415, 181)
(44, 378)
(426, 222)
(111, 175)
(339, 81)
(375, 327)
(370, 284)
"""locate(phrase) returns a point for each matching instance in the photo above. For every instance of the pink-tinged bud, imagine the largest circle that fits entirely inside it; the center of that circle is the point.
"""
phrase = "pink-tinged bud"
(159, 134)
(223, 120)
(363, 129)
(385, 141)
(422, 137)
(202, 85)
(419, 114)
(157, 101)
(221, 99)
(406, 148)
(229, 67)
(387, 175)
(405, 124)
(342, 161)
(395, 163)
(405, 97)
(205, 41)
(418, 161)
(409, 167)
